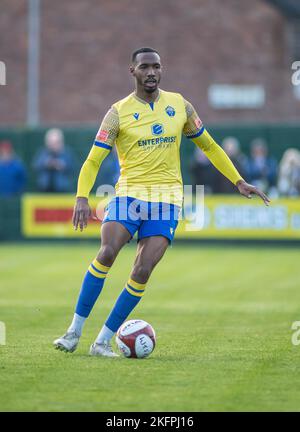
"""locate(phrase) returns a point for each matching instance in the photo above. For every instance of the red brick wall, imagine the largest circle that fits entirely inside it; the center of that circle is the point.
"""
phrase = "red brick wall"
(86, 46)
(13, 49)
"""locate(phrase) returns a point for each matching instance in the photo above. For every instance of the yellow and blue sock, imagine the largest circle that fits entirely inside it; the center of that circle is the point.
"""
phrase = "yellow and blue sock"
(126, 302)
(91, 288)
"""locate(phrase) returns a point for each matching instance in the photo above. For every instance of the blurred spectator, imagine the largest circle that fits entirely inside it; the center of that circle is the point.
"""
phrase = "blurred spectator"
(231, 146)
(201, 171)
(262, 169)
(12, 171)
(54, 164)
(110, 169)
(289, 173)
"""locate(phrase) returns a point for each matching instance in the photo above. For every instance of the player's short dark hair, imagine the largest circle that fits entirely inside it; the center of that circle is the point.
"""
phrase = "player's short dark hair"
(142, 50)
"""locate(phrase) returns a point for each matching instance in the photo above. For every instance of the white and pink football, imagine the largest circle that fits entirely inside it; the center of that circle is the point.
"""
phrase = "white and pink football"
(136, 339)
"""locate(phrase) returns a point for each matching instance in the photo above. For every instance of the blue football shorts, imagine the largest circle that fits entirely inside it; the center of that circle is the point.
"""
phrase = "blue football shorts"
(145, 217)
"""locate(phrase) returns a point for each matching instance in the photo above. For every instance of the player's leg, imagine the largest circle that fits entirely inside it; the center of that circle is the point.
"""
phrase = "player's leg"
(149, 252)
(113, 237)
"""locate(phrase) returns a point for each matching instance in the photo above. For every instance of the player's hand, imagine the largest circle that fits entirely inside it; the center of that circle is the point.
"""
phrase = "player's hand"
(247, 190)
(81, 214)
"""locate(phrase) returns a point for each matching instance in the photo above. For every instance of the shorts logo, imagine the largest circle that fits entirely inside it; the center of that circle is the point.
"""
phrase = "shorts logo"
(171, 231)
(102, 135)
(157, 129)
(136, 116)
(170, 111)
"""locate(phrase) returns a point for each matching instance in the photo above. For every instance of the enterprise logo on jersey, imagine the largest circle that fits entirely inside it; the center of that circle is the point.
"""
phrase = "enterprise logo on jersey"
(162, 142)
(157, 129)
(154, 141)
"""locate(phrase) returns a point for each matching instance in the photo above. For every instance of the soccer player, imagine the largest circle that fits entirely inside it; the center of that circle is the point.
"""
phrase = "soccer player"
(146, 128)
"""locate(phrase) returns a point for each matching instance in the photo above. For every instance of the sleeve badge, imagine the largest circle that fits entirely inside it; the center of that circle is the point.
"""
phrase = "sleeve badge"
(198, 122)
(102, 135)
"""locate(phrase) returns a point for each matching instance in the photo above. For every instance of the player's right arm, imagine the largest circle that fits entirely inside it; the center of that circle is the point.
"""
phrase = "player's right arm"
(102, 146)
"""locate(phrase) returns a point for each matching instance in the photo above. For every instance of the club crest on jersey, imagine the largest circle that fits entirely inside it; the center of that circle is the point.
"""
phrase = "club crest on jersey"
(136, 116)
(157, 129)
(170, 111)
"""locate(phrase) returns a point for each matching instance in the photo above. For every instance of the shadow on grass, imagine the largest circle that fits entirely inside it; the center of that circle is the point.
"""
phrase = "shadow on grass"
(151, 359)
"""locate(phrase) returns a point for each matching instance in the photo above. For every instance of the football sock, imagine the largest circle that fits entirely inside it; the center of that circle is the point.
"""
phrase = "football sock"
(105, 334)
(91, 288)
(77, 324)
(126, 302)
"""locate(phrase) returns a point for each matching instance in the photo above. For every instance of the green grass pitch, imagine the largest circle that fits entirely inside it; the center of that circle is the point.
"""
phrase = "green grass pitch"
(222, 316)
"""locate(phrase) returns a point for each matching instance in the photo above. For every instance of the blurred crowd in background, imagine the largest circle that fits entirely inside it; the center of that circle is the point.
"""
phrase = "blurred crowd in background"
(260, 168)
(55, 165)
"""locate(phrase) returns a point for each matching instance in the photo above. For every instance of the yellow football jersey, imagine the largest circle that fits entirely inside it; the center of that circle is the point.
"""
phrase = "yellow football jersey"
(147, 138)
(148, 145)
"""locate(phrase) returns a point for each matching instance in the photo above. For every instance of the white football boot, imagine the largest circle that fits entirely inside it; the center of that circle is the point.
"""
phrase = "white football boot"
(68, 342)
(102, 350)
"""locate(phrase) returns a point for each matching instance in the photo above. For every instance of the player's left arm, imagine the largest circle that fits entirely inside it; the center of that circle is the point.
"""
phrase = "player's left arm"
(194, 130)
(102, 146)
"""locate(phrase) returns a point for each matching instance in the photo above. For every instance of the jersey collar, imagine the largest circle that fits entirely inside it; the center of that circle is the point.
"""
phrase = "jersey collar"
(143, 101)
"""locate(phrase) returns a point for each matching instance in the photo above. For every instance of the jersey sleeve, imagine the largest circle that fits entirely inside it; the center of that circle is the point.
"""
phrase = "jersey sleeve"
(102, 146)
(193, 123)
(194, 130)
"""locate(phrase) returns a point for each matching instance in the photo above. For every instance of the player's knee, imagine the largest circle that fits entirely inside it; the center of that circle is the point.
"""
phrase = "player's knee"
(142, 272)
(107, 255)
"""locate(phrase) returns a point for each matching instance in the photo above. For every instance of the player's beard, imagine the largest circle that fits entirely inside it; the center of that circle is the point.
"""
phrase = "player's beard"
(151, 89)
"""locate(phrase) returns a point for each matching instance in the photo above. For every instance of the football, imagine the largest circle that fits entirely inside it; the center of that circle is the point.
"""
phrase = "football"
(136, 339)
